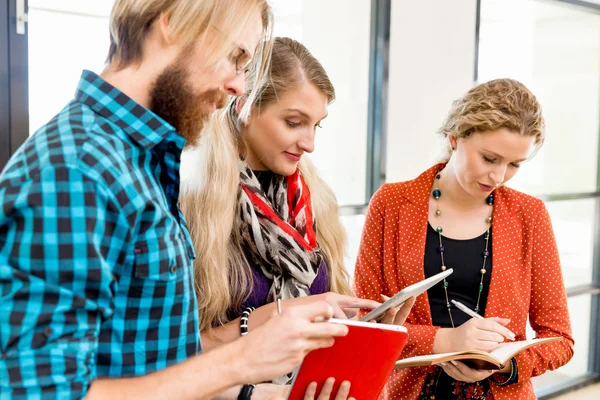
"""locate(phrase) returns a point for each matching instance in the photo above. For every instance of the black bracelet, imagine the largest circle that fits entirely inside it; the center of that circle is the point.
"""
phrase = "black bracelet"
(246, 392)
(514, 375)
(244, 320)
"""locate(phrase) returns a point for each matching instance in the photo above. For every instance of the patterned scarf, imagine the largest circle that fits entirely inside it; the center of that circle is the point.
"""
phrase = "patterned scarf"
(278, 232)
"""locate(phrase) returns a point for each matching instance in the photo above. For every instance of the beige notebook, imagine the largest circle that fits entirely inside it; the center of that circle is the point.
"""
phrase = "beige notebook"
(477, 359)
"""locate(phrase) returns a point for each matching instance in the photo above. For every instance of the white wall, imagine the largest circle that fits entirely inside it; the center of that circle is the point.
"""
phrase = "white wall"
(432, 52)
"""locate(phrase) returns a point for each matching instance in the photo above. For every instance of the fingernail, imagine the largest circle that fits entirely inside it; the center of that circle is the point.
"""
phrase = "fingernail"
(443, 364)
(453, 362)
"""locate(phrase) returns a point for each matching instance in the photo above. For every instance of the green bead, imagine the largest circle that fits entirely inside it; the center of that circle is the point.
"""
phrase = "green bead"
(476, 309)
(445, 285)
(480, 287)
(439, 229)
(448, 306)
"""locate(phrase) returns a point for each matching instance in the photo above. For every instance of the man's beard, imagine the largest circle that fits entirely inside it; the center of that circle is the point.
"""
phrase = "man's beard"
(172, 98)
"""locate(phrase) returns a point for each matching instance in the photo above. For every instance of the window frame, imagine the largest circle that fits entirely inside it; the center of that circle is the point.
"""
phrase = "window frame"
(593, 289)
(14, 82)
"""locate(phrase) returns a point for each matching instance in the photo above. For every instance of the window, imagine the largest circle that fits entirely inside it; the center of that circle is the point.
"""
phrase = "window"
(580, 310)
(553, 47)
(57, 27)
(354, 227)
(554, 50)
(573, 225)
(65, 37)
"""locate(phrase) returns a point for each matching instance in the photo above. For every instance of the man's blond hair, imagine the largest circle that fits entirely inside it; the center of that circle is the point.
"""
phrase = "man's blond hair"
(189, 20)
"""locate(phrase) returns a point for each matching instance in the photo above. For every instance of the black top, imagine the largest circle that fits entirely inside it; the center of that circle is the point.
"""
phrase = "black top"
(466, 258)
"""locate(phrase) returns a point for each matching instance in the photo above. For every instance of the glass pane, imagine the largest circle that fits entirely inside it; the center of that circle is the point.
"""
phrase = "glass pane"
(65, 37)
(554, 49)
(338, 35)
(580, 310)
(354, 226)
(573, 223)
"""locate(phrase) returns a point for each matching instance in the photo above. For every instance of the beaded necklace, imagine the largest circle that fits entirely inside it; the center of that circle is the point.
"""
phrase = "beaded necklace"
(490, 201)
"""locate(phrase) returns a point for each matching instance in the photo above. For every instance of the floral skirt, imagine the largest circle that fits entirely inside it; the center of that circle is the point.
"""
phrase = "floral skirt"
(440, 386)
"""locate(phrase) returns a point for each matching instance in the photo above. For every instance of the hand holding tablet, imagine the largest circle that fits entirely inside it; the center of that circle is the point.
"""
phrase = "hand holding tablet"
(405, 294)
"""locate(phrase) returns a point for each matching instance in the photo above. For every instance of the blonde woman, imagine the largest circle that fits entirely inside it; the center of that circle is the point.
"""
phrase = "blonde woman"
(459, 214)
(264, 224)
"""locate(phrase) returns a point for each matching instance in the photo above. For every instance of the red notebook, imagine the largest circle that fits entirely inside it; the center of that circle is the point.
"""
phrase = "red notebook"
(365, 358)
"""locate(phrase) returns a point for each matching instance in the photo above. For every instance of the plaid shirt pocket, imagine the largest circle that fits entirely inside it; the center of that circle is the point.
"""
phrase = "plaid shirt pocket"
(148, 267)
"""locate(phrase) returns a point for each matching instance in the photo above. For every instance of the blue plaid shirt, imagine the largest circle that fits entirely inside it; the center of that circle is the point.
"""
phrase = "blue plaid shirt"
(95, 257)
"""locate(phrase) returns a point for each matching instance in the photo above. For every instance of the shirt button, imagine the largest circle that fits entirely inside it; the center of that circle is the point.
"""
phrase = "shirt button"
(48, 331)
(173, 269)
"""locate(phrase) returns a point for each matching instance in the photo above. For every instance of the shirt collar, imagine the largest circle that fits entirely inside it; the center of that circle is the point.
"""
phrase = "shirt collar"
(141, 124)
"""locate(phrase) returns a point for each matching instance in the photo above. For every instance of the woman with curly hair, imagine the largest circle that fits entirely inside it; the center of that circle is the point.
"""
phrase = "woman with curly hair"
(459, 214)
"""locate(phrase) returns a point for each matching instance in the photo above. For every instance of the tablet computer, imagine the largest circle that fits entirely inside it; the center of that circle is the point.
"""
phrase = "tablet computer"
(365, 357)
(405, 294)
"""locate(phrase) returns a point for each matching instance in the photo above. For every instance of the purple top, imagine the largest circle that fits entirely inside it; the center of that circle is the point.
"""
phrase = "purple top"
(262, 284)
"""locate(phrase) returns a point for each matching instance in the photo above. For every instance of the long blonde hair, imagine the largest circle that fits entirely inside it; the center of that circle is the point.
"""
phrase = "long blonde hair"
(190, 20)
(223, 277)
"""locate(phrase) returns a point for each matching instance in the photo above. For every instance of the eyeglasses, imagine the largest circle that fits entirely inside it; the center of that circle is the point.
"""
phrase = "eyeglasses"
(241, 59)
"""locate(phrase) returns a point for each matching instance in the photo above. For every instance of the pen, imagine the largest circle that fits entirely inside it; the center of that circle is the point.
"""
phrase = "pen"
(466, 309)
(472, 313)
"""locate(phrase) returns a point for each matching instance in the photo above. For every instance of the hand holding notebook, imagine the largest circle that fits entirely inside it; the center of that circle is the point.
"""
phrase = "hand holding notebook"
(365, 358)
(477, 359)
(495, 359)
(352, 358)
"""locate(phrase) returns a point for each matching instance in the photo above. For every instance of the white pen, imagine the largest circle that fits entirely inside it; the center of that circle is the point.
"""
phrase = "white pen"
(472, 313)
(466, 309)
